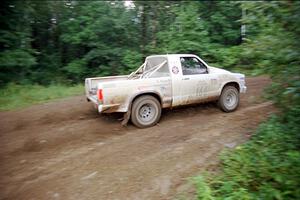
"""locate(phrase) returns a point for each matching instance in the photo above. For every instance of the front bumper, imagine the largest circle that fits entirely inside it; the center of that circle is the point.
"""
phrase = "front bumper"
(243, 89)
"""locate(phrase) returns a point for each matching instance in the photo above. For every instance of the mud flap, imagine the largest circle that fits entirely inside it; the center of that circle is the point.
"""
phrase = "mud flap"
(126, 117)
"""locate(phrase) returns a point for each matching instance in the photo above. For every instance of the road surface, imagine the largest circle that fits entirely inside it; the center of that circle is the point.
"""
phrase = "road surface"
(65, 150)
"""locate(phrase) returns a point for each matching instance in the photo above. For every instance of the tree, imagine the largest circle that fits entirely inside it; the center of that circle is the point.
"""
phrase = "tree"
(274, 47)
(102, 32)
(16, 55)
(222, 21)
(186, 34)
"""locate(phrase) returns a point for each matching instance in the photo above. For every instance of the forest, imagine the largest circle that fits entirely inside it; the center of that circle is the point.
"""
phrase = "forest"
(51, 43)
(48, 42)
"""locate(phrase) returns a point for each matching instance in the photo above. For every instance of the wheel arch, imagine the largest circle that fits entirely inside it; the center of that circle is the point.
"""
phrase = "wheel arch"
(154, 94)
(151, 93)
(232, 83)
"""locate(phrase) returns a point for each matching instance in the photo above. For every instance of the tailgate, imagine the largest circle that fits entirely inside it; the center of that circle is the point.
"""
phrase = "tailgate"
(91, 85)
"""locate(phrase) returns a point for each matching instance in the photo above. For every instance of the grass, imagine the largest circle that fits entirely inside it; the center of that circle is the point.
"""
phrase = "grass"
(266, 167)
(15, 96)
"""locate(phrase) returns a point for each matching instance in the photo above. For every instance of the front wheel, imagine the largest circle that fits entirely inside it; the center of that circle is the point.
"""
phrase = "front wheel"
(229, 99)
(146, 111)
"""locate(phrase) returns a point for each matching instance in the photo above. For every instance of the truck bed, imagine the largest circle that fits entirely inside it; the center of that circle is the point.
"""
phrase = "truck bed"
(91, 85)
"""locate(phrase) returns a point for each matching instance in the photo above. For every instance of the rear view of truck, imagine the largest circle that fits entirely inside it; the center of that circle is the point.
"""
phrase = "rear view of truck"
(91, 86)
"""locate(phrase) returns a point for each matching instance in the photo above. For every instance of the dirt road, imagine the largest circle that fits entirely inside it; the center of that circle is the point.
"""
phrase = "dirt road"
(65, 150)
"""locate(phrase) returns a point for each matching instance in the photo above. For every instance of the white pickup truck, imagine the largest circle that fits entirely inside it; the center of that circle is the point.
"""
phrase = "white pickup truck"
(164, 81)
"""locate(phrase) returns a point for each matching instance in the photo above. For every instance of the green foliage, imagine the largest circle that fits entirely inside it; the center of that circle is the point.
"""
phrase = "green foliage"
(75, 69)
(15, 96)
(222, 21)
(225, 57)
(16, 59)
(203, 190)
(103, 42)
(264, 168)
(275, 49)
(186, 34)
(131, 60)
(61, 42)
(16, 55)
(267, 167)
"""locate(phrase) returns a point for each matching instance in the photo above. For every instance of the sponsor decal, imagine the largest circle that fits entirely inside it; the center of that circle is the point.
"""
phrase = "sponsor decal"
(175, 70)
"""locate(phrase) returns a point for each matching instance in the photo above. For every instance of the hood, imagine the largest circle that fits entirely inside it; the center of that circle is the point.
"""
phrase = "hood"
(216, 70)
(239, 76)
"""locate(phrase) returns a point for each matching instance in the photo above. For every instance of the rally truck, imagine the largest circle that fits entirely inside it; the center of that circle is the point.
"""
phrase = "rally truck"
(164, 81)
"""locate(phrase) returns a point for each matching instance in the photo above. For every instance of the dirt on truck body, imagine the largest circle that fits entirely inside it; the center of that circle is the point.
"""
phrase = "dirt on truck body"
(164, 81)
(66, 150)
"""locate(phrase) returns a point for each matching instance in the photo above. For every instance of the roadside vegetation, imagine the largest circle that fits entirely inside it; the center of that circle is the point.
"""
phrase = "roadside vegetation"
(19, 96)
(267, 166)
(47, 46)
(63, 42)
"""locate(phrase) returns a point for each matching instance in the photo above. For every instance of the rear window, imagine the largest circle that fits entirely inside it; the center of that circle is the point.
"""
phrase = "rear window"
(154, 62)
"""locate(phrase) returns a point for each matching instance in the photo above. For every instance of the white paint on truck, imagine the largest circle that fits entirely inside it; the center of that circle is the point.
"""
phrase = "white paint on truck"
(175, 79)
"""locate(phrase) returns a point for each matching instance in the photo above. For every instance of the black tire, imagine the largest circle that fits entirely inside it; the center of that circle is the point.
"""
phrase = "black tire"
(229, 99)
(146, 111)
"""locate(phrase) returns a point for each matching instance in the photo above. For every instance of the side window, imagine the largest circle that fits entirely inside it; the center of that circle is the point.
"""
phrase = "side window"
(191, 65)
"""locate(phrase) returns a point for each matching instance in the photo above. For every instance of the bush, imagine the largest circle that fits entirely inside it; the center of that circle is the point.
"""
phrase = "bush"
(266, 167)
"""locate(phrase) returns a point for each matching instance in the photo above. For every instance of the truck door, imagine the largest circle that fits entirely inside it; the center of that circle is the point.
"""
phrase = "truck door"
(193, 82)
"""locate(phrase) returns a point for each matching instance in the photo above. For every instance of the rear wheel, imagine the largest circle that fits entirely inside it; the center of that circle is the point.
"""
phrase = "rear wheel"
(146, 111)
(229, 99)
